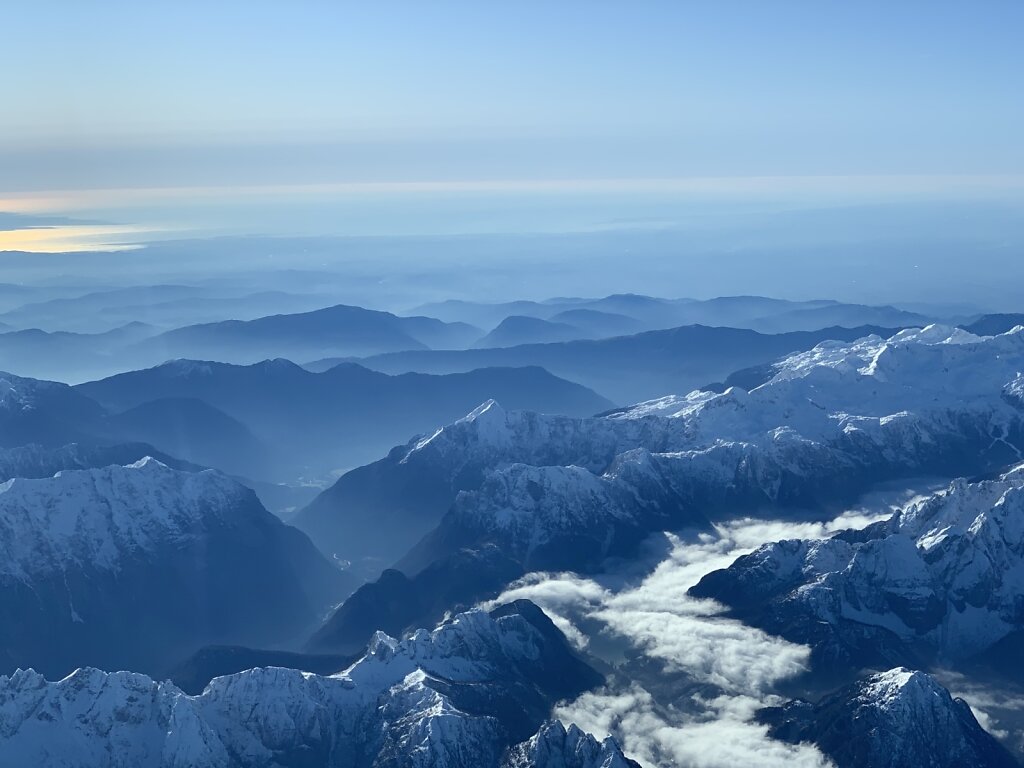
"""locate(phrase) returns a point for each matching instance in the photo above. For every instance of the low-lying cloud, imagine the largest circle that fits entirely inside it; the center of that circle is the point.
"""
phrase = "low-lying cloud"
(721, 737)
(726, 669)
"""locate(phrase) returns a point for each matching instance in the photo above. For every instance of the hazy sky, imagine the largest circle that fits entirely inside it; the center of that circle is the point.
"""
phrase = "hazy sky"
(832, 135)
(160, 93)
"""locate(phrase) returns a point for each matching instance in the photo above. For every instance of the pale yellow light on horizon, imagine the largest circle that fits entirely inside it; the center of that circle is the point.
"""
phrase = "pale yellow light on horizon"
(66, 239)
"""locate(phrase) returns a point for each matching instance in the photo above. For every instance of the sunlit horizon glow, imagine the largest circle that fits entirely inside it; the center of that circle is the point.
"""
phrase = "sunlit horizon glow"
(159, 213)
(69, 239)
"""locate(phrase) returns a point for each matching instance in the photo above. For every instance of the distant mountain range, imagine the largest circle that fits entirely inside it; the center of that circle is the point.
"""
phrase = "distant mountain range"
(162, 306)
(340, 330)
(87, 312)
(636, 313)
(97, 334)
(627, 369)
(278, 421)
(61, 355)
(990, 325)
(521, 329)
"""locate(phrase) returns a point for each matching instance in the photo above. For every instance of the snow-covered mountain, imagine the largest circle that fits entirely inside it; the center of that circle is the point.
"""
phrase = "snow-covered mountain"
(555, 746)
(558, 517)
(897, 719)
(830, 422)
(942, 580)
(459, 695)
(135, 566)
(563, 493)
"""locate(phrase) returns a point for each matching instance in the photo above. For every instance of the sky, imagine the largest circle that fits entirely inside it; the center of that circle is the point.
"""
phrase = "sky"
(158, 120)
(192, 92)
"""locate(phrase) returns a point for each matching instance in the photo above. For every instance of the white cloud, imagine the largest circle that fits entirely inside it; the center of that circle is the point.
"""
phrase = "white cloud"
(722, 738)
(682, 635)
(999, 710)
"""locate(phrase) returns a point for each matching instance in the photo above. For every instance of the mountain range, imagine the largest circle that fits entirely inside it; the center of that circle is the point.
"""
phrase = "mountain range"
(338, 330)
(162, 306)
(379, 627)
(555, 493)
(939, 583)
(641, 313)
(627, 369)
(459, 696)
(827, 421)
(278, 421)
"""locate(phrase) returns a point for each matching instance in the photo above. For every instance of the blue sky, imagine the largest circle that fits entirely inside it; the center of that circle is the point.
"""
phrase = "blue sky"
(171, 94)
(738, 127)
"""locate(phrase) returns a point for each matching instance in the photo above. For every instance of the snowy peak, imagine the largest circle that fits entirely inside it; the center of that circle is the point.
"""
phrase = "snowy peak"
(944, 574)
(487, 414)
(556, 746)
(904, 692)
(97, 516)
(474, 645)
(899, 718)
(488, 424)
(434, 698)
(871, 377)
